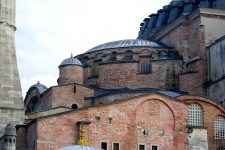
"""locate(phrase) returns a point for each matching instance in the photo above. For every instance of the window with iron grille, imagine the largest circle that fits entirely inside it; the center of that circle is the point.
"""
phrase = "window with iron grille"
(195, 115)
(219, 127)
(220, 148)
(145, 66)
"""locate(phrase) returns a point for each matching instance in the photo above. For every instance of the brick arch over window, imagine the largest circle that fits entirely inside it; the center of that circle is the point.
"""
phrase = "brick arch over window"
(219, 127)
(157, 111)
(155, 118)
(145, 52)
(113, 56)
(128, 55)
(195, 115)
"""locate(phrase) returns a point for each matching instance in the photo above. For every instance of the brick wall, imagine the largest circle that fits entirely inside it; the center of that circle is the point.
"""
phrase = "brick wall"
(70, 73)
(211, 110)
(158, 115)
(189, 40)
(72, 94)
(21, 140)
(127, 73)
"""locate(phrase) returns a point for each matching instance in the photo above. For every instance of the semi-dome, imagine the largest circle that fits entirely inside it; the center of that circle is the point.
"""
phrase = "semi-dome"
(70, 61)
(41, 88)
(128, 43)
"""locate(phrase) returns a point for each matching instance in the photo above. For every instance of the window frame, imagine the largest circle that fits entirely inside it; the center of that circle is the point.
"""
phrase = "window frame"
(114, 142)
(220, 120)
(195, 115)
(141, 144)
(107, 145)
(145, 67)
(154, 145)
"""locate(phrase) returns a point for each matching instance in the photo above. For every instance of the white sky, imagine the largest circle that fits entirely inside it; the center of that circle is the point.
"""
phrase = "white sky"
(48, 31)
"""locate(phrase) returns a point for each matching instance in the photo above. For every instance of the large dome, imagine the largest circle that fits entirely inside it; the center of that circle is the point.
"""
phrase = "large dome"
(128, 43)
(70, 61)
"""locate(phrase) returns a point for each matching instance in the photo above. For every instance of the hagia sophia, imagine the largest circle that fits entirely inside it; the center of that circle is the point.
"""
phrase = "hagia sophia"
(164, 90)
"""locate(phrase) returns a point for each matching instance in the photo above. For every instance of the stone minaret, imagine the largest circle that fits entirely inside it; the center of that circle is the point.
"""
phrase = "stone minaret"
(11, 100)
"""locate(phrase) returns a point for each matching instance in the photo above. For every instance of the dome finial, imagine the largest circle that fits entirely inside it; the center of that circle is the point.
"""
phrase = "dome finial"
(82, 141)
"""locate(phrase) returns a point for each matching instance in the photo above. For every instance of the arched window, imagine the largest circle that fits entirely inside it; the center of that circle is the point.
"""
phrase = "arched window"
(219, 127)
(113, 56)
(128, 55)
(145, 66)
(195, 115)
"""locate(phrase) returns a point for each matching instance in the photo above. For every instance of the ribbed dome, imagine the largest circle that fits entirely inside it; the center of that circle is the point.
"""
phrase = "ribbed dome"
(79, 147)
(41, 88)
(128, 43)
(70, 61)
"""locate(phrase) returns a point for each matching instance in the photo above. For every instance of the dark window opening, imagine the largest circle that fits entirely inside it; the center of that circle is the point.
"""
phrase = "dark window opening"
(141, 147)
(154, 147)
(74, 106)
(113, 56)
(74, 89)
(104, 145)
(128, 55)
(6, 140)
(116, 146)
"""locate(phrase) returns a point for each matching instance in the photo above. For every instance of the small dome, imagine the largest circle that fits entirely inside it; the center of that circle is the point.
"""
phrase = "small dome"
(10, 130)
(70, 61)
(41, 88)
(128, 43)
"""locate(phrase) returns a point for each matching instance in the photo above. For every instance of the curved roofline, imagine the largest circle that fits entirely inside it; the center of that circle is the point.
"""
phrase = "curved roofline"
(129, 43)
(41, 87)
(70, 61)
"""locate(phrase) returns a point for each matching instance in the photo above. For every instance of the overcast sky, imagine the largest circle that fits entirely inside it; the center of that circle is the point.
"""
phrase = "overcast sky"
(48, 31)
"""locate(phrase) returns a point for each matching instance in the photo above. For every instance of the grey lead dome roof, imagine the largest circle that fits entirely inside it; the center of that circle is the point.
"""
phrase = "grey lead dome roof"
(128, 43)
(70, 61)
(41, 88)
(79, 147)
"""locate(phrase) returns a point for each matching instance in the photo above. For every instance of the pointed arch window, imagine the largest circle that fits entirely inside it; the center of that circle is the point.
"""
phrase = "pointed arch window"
(145, 66)
(219, 127)
(195, 115)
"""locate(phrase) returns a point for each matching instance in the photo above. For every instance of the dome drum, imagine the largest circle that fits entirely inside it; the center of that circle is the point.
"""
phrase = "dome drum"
(70, 74)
